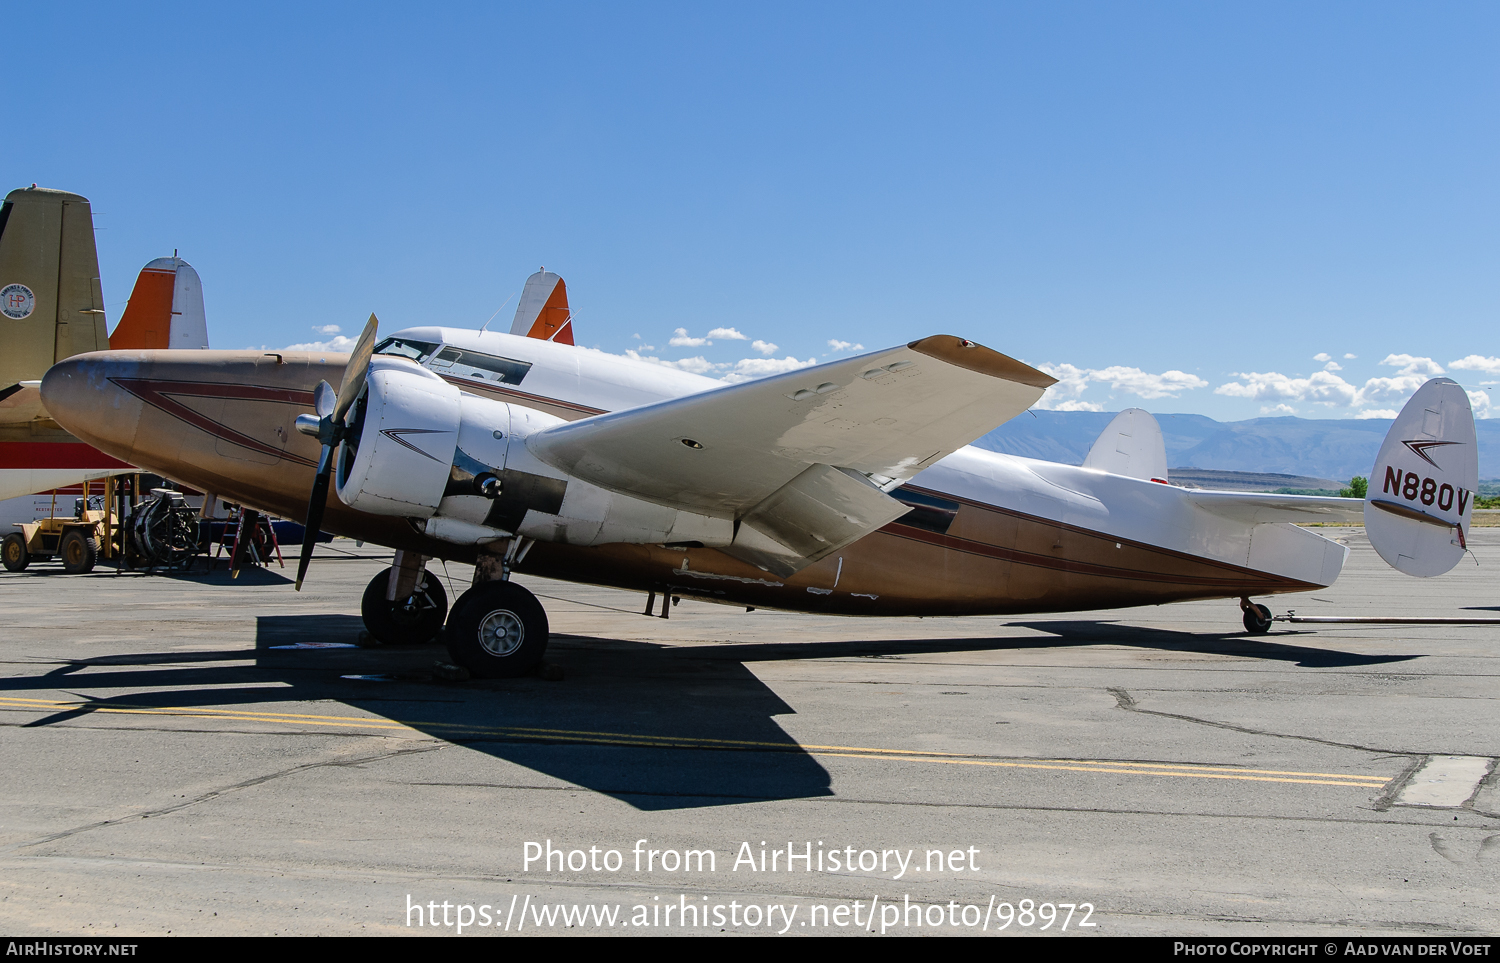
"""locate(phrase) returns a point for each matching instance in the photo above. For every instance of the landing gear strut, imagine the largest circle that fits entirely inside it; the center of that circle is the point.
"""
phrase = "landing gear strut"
(1257, 617)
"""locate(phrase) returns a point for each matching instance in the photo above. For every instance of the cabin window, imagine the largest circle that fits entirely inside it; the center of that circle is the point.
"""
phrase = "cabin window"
(484, 367)
(927, 511)
(418, 351)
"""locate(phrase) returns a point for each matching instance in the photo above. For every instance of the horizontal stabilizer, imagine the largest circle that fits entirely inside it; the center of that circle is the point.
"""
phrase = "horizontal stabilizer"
(1132, 445)
(801, 460)
(1255, 508)
(1421, 492)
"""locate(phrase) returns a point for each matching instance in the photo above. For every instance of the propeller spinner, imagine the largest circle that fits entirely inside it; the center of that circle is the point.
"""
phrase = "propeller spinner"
(328, 427)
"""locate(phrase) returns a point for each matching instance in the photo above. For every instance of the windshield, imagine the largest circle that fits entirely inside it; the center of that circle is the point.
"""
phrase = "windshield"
(418, 351)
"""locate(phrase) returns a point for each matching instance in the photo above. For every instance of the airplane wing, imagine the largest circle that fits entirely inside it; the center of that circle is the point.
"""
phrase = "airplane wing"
(1256, 507)
(801, 460)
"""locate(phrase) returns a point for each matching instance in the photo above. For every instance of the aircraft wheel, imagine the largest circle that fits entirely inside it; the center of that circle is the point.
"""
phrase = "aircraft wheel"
(414, 620)
(13, 551)
(1257, 620)
(498, 631)
(79, 553)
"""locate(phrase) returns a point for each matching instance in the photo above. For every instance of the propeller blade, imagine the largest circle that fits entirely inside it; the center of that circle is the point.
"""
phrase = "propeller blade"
(324, 399)
(315, 505)
(354, 373)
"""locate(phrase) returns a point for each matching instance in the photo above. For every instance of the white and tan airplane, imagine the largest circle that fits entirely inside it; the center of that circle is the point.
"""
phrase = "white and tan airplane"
(846, 488)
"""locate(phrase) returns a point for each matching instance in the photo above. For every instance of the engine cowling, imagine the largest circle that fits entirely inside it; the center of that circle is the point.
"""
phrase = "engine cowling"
(458, 466)
(402, 434)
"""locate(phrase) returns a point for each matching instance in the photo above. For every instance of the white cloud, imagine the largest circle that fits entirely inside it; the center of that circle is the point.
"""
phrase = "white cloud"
(845, 345)
(1322, 356)
(747, 369)
(728, 334)
(1333, 366)
(1476, 362)
(697, 365)
(1377, 413)
(1279, 409)
(335, 344)
(1411, 364)
(1324, 387)
(327, 329)
(1480, 402)
(764, 347)
(1165, 385)
(1072, 381)
(680, 339)
(1350, 357)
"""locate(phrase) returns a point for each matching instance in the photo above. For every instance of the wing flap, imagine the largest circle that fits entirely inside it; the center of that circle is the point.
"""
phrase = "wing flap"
(813, 515)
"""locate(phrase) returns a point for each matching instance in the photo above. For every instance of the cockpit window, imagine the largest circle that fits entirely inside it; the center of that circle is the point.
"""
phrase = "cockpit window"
(418, 351)
(484, 367)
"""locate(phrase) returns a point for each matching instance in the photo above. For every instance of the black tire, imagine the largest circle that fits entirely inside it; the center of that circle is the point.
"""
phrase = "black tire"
(1257, 620)
(414, 620)
(79, 552)
(13, 551)
(498, 631)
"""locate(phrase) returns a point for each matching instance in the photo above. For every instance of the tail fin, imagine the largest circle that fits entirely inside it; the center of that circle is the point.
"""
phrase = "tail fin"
(165, 309)
(1421, 494)
(1132, 445)
(51, 305)
(543, 309)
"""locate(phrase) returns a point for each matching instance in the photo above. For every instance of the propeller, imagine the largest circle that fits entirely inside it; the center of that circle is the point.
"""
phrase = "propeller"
(329, 428)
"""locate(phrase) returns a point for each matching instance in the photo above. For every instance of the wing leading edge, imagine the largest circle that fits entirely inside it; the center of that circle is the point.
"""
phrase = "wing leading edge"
(801, 461)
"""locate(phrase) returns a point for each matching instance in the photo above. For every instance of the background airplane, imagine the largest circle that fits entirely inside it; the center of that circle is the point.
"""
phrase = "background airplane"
(846, 488)
(53, 308)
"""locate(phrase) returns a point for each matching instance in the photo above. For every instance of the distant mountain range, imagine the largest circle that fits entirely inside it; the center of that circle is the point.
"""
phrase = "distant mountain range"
(1338, 449)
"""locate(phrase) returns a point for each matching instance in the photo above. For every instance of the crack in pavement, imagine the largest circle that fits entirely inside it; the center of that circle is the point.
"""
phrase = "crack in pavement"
(223, 791)
(1123, 700)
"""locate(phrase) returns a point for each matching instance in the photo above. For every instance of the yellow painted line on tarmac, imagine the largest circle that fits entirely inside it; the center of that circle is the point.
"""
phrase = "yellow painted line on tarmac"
(1186, 770)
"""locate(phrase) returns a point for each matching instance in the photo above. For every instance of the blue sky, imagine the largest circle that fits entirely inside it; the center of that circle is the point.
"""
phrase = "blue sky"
(1176, 205)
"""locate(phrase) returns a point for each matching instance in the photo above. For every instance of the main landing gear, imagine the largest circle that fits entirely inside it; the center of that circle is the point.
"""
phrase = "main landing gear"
(496, 630)
(1257, 617)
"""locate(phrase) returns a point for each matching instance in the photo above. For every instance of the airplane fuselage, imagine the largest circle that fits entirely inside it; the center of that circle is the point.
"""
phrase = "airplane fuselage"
(988, 534)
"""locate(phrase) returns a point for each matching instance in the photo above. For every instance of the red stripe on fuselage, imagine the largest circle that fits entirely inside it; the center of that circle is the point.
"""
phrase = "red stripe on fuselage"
(55, 455)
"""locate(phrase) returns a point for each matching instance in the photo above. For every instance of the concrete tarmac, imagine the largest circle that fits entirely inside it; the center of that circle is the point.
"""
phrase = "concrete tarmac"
(182, 757)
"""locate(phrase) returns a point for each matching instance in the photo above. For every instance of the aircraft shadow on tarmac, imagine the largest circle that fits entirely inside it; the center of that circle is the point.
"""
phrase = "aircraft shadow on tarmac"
(1063, 635)
(656, 727)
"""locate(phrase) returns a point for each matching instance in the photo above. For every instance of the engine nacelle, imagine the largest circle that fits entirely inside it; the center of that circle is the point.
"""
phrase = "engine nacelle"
(458, 466)
(399, 448)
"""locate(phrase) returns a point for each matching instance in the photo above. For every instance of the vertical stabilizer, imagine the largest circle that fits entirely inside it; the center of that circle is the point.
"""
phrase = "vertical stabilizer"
(1421, 495)
(165, 309)
(51, 305)
(543, 309)
(1132, 445)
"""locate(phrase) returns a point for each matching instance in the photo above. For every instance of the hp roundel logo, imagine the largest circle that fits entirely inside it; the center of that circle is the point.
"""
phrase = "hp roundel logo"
(17, 301)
